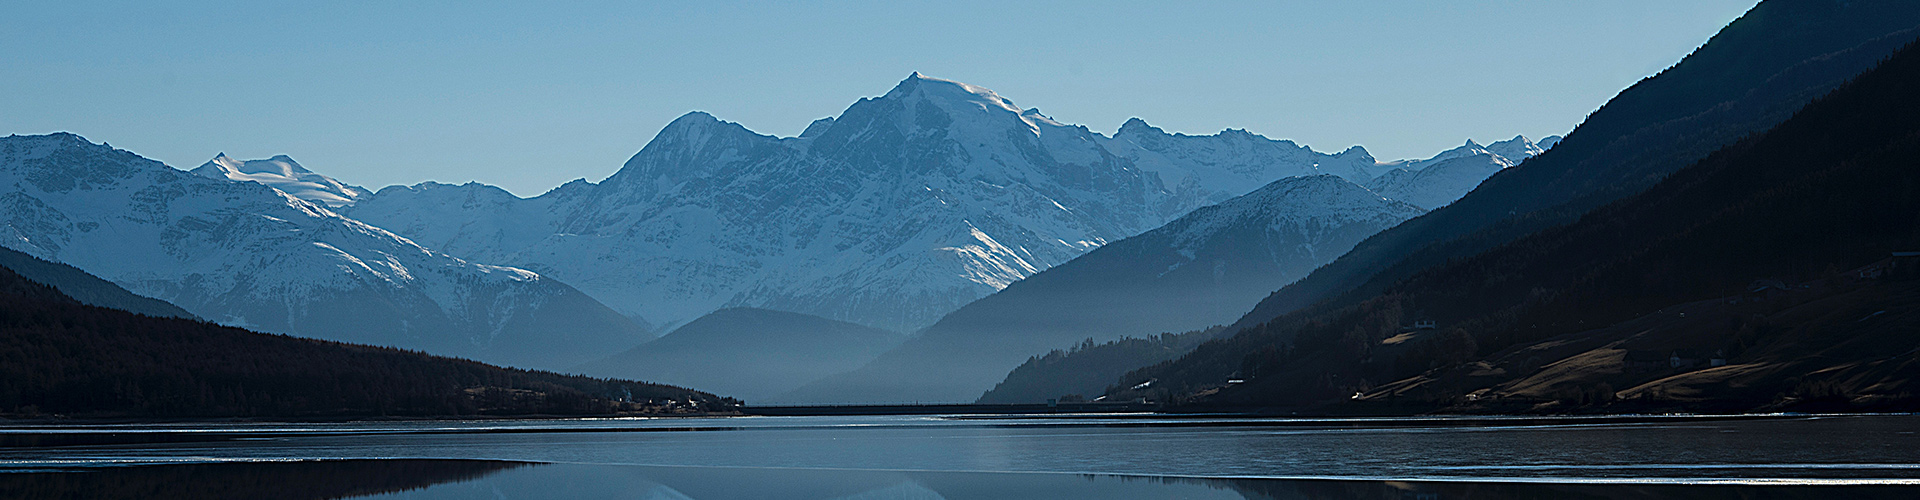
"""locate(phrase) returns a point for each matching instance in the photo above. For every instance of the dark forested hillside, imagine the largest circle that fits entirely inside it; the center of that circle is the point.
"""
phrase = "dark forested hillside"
(1812, 218)
(87, 288)
(1088, 370)
(1752, 75)
(61, 357)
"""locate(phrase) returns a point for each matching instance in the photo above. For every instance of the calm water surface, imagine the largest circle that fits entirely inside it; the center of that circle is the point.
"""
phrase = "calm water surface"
(936, 457)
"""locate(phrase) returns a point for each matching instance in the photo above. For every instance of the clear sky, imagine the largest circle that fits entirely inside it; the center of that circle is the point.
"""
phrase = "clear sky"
(527, 95)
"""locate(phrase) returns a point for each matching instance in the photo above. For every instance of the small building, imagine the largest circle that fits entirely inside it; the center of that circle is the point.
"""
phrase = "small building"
(1425, 324)
(1647, 361)
(1761, 290)
(1692, 358)
(1905, 264)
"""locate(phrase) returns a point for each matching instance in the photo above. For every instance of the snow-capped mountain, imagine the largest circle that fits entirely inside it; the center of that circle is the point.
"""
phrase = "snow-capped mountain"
(1228, 164)
(901, 209)
(1203, 269)
(245, 254)
(286, 175)
(1519, 148)
(1437, 181)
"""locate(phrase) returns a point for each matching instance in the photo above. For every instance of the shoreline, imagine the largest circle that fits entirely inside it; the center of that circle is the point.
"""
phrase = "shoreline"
(1165, 419)
(43, 436)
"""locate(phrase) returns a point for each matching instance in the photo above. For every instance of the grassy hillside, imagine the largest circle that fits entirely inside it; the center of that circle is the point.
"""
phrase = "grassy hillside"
(1752, 75)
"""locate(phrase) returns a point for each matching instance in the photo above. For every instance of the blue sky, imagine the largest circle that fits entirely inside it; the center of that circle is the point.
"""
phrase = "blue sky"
(526, 95)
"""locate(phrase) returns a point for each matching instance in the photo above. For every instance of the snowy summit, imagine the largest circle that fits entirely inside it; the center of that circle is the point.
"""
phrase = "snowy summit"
(282, 173)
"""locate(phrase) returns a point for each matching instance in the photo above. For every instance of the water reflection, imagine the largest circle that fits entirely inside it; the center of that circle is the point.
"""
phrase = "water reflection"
(1855, 448)
(844, 457)
(461, 479)
(296, 480)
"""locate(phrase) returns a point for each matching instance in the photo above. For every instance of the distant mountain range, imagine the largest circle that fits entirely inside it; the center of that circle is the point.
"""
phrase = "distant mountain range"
(752, 354)
(1749, 213)
(245, 254)
(900, 210)
(897, 212)
(1437, 181)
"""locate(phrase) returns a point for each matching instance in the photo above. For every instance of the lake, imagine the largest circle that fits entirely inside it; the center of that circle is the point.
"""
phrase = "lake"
(883, 457)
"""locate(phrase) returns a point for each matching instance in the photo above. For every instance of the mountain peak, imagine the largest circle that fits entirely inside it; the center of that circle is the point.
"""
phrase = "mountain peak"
(691, 125)
(1516, 150)
(278, 165)
(1135, 126)
(692, 117)
(1355, 152)
(218, 167)
(1518, 141)
(284, 174)
(950, 91)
